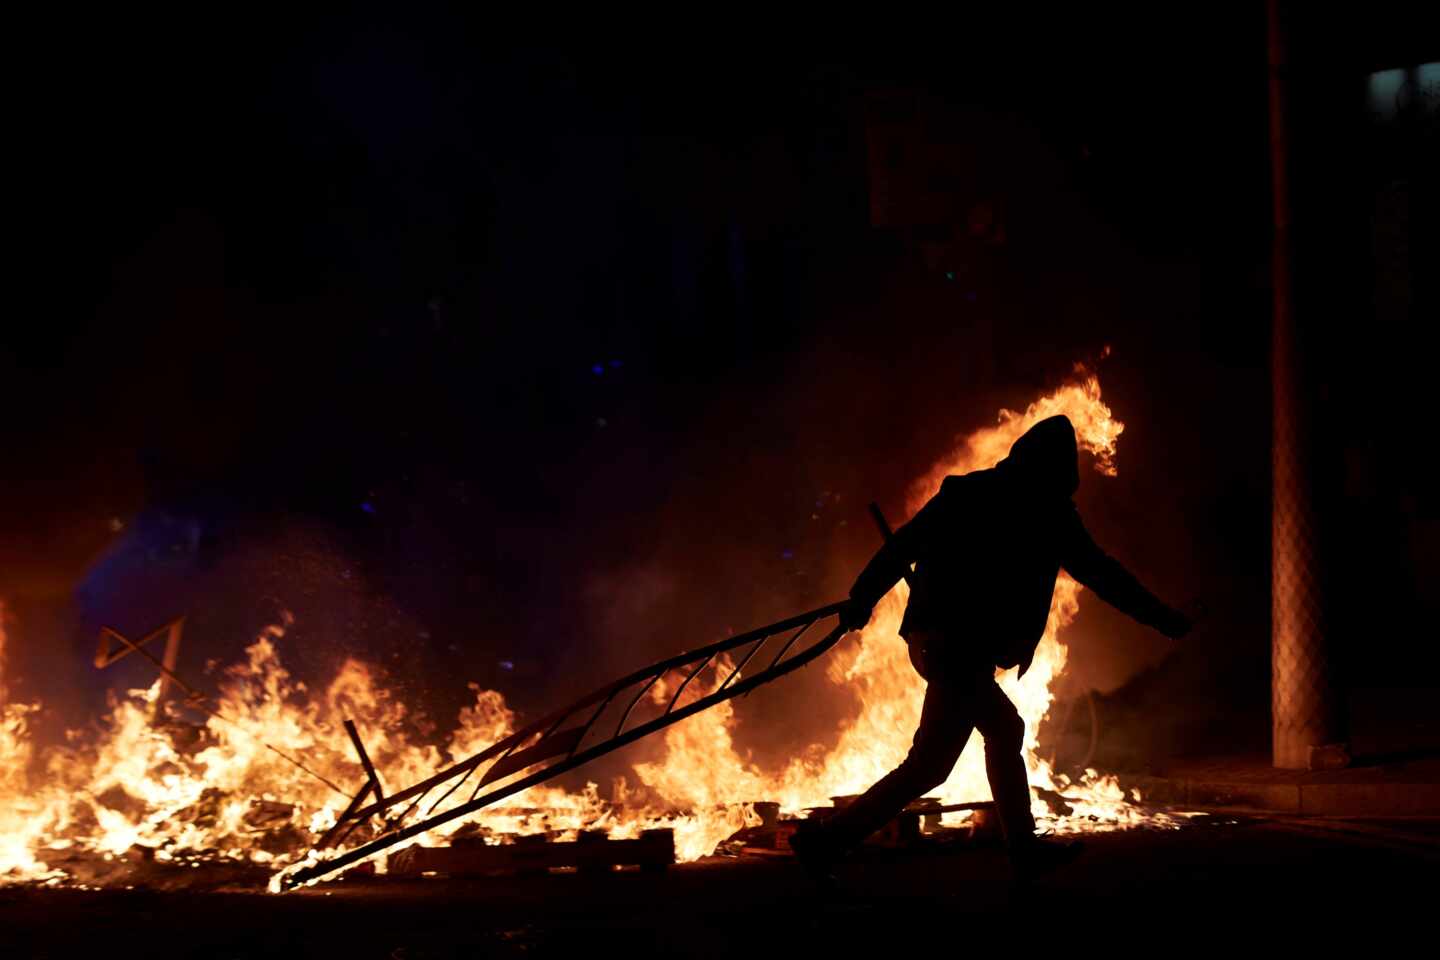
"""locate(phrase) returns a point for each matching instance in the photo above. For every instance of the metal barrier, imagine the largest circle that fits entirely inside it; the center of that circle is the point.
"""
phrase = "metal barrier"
(560, 750)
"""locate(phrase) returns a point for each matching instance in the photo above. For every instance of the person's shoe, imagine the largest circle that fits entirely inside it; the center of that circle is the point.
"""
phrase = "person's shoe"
(1037, 856)
(816, 852)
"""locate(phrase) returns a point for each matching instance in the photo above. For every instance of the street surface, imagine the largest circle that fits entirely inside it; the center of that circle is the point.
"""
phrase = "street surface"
(1235, 883)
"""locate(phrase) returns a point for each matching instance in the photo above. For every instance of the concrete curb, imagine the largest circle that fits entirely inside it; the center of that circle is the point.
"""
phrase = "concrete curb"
(1382, 799)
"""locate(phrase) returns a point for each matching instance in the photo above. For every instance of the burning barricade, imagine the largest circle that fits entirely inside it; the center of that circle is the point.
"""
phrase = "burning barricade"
(272, 779)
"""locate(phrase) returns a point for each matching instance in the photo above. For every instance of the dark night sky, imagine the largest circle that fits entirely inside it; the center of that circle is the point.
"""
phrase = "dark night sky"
(468, 350)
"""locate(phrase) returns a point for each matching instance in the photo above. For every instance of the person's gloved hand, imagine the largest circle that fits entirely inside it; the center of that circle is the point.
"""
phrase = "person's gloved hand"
(1174, 624)
(854, 615)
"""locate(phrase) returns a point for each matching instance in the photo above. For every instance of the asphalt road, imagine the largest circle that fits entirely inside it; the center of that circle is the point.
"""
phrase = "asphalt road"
(1232, 884)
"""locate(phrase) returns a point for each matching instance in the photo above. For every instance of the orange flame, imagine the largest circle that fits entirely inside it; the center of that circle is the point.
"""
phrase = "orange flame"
(877, 673)
(228, 794)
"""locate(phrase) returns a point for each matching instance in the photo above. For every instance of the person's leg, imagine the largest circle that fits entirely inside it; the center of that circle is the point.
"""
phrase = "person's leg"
(945, 724)
(1004, 732)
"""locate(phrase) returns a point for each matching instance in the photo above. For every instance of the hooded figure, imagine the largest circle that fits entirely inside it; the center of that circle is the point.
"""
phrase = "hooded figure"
(987, 549)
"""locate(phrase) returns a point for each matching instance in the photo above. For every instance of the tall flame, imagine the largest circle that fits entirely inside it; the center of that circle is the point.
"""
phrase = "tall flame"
(877, 673)
(22, 821)
(231, 788)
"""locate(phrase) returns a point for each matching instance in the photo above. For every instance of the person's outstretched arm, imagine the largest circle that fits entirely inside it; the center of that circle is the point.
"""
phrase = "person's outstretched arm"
(1092, 567)
(893, 560)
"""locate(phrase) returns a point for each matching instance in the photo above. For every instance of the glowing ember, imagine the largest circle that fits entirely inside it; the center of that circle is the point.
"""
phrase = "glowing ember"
(224, 791)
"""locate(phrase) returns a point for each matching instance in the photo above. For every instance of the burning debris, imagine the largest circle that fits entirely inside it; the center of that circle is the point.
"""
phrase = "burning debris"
(592, 851)
(563, 735)
(279, 780)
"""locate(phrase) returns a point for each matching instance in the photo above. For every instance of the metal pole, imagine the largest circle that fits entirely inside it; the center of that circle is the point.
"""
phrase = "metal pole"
(1303, 708)
(365, 759)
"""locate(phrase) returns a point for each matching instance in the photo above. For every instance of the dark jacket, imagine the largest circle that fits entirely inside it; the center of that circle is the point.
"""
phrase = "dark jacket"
(987, 549)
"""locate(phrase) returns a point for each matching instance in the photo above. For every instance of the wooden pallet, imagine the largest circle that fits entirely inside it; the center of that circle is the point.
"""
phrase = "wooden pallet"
(919, 820)
(593, 852)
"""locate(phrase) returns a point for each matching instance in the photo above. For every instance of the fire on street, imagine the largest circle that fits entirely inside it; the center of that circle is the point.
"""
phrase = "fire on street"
(1226, 879)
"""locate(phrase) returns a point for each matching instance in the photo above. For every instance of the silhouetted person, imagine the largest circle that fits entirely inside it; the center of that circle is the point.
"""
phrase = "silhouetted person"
(986, 550)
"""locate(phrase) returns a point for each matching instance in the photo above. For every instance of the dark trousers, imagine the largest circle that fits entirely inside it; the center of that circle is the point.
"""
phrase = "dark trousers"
(959, 697)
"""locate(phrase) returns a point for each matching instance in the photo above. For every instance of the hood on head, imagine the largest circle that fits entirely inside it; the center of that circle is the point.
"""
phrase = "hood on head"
(1045, 458)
